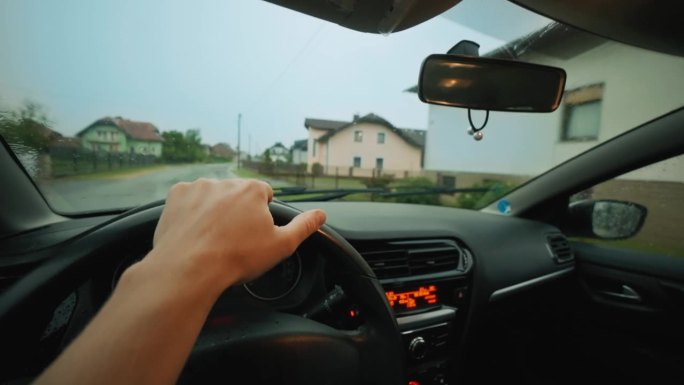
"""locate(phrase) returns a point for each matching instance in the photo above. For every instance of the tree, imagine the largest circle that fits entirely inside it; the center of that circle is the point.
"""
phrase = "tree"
(266, 166)
(183, 148)
(27, 128)
(193, 139)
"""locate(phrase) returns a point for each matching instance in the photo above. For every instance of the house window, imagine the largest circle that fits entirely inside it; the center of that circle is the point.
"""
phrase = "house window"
(358, 136)
(379, 162)
(381, 138)
(582, 114)
(357, 161)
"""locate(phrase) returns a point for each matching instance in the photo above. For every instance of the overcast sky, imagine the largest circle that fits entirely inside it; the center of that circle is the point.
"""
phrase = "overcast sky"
(198, 64)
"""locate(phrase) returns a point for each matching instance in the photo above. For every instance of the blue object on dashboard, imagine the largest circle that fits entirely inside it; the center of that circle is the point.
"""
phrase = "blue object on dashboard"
(504, 206)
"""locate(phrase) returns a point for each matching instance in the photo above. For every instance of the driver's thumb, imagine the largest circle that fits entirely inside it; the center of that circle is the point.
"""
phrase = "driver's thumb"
(300, 228)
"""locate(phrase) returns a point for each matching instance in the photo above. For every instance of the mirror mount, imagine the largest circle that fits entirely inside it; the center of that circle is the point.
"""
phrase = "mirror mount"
(470, 48)
(465, 48)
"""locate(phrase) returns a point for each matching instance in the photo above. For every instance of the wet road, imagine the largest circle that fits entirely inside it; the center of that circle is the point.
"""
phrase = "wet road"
(75, 195)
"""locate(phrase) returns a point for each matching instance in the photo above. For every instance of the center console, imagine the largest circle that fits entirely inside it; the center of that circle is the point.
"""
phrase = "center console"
(426, 283)
(429, 315)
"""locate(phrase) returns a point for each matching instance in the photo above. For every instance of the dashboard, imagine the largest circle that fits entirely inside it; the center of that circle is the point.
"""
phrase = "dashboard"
(440, 268)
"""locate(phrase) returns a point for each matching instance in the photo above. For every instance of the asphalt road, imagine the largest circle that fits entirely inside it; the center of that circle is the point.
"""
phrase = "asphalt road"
(77, 195)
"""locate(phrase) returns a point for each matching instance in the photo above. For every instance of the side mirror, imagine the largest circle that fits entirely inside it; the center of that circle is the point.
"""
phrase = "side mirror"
(490, 84)
(605, 219)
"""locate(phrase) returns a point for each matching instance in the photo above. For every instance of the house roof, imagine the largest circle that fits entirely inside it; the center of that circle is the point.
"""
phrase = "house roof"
(278, 144)
(556, 40)
(413, 137)
(323, 124)
(135, 130)
(301, 144)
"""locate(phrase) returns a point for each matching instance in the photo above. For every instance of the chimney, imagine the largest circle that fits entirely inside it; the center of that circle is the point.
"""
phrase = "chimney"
(356, 116)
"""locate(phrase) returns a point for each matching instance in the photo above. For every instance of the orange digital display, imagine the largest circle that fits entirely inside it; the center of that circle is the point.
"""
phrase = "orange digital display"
(413, 299)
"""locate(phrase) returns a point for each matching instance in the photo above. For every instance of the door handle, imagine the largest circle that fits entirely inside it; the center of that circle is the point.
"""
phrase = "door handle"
(628, 293)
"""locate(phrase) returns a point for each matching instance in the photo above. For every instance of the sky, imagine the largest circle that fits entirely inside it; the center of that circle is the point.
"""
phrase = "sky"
(198, 64)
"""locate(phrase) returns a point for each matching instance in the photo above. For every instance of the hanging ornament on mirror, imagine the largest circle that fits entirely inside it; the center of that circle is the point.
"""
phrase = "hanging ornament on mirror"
(476, 132)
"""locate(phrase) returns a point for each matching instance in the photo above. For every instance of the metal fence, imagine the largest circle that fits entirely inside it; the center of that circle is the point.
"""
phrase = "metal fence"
(66, 161)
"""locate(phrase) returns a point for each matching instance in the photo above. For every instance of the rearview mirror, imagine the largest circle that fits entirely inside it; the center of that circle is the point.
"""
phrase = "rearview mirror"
(605, 219)
(490, 84)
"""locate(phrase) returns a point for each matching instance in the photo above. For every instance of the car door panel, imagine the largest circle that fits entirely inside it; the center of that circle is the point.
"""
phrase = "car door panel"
(629, 315)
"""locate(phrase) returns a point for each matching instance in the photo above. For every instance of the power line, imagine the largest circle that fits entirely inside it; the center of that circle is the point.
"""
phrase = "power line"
(287, 67)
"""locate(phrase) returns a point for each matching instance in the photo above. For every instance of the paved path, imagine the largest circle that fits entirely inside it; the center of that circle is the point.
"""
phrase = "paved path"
(78, 195)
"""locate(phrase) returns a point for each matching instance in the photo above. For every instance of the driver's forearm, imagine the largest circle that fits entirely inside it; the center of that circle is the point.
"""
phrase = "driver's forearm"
(142, 335)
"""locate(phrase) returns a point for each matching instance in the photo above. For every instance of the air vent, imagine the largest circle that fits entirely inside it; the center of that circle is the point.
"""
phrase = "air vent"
(387, 264)
(560, 248)
(408, 258)
(425, 261)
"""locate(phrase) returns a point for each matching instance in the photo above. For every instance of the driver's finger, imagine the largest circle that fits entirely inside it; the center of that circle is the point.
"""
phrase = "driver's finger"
(268, 190)
(300, 228)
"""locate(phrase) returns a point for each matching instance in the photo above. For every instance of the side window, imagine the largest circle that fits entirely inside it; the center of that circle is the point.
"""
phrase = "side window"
(358, 136)
(381, 138)
(582, 113)
(659, 188)
(357, 162)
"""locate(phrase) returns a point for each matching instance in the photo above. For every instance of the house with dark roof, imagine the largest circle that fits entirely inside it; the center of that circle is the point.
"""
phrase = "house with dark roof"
(299, 151)
(278, 152)
(122, 136)
(364, 146)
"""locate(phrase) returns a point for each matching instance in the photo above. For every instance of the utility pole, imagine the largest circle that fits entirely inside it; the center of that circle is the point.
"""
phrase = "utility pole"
(238, 143)
(249, 144)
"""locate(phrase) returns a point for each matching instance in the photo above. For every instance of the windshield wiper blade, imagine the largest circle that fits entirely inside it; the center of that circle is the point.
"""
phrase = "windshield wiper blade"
(321, 194)
(431, 190)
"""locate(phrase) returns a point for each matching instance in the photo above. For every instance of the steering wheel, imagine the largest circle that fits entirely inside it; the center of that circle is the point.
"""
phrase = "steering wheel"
(251, 347)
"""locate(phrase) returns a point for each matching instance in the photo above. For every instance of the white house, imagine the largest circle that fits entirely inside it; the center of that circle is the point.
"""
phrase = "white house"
(366, 146)
(278, 152)
(299, 151)
(610, 88)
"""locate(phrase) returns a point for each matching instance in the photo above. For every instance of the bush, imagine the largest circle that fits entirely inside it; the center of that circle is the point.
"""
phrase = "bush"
(419, 183)
(477, 200)
(317, 169)
(378, 182)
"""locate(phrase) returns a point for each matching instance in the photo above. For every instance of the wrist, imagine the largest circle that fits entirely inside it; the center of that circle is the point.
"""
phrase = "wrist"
(180, 280)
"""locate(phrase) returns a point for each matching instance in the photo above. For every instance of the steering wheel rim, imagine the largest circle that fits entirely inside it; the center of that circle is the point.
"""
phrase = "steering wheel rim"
(379, 347)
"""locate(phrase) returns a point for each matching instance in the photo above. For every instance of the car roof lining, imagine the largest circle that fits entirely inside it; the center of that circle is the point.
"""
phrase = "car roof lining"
(654, 25)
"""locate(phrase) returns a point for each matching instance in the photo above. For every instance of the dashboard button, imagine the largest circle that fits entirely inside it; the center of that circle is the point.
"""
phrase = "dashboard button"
(418, 348)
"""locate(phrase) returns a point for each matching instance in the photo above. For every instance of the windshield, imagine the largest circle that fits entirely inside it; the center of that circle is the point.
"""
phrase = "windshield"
(108, 104)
